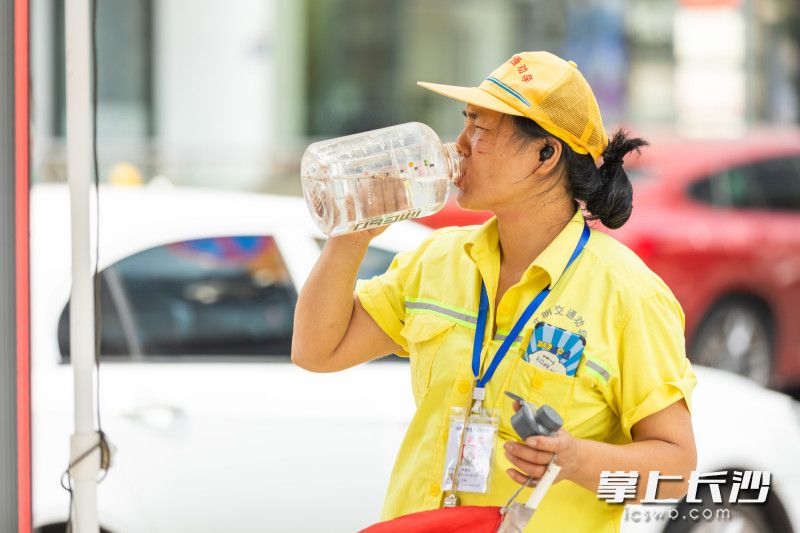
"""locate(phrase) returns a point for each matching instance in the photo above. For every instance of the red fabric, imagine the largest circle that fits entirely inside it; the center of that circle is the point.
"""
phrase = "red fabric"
(21, 139)
(467, 519)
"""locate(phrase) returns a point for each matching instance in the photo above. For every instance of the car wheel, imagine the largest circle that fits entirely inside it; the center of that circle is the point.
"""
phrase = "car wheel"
(739, 519)
(60, 528)
(736, 336)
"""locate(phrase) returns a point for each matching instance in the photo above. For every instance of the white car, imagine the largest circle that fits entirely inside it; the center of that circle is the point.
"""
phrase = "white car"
(738, 426)
(217, 431)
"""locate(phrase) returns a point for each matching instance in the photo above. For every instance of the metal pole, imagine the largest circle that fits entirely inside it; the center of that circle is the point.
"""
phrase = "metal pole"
(8, 349)
(79, 172)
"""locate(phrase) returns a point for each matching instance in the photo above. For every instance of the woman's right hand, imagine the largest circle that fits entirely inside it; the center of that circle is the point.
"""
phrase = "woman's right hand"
(381, 195)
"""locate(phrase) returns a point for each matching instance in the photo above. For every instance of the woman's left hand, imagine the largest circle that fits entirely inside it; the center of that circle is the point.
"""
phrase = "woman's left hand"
(532, 456)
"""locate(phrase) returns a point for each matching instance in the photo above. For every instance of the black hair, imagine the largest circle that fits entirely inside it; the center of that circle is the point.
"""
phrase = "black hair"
(606, 191)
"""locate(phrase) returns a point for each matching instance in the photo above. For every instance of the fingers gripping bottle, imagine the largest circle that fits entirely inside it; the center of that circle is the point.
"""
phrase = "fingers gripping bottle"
(374, 178)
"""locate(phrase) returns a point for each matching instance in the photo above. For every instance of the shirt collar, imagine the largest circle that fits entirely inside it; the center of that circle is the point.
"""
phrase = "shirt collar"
(483, 240)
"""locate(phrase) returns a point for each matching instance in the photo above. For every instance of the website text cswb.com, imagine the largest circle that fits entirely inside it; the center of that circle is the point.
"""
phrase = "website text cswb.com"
(637, 516)
(746, 487)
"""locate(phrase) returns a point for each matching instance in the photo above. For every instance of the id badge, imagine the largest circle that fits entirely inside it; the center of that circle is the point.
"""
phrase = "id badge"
(476, 450)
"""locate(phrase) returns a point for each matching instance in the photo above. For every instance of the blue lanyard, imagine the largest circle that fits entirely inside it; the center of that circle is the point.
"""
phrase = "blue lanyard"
(483, 309)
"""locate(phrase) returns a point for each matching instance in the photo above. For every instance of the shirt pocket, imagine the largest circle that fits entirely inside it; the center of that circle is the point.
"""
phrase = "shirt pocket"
(593, 413)
(539, 387)
(424, 335)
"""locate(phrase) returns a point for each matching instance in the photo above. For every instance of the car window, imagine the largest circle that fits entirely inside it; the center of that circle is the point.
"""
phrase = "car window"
(638, 174)
(772, 184)
(376, 261)
(228, 296)
(114, 342)
(701, 191)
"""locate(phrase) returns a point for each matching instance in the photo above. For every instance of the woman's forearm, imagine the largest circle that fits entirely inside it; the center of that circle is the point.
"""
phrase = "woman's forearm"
(643, 456)
(664, 442)
(325, 303)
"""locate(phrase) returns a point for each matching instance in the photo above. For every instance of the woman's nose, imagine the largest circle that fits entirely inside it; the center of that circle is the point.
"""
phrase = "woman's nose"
(462, 144)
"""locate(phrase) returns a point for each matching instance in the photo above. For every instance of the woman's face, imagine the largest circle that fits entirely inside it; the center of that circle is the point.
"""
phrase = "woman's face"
(501, 168)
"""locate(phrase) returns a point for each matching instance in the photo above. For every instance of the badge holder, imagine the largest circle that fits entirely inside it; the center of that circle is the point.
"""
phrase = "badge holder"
(514, 517)
(468, 459)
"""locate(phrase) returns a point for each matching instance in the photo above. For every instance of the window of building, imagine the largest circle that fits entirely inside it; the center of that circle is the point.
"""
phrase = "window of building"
(125, 73)
(364, 57)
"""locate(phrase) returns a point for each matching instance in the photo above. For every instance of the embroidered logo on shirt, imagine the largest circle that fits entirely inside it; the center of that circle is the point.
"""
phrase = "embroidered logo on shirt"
(568, 312)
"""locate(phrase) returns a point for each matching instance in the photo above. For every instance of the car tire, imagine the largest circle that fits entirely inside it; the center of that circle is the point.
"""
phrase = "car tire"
(742, 519)
(767, 517)
(60, 527)
(736, 335)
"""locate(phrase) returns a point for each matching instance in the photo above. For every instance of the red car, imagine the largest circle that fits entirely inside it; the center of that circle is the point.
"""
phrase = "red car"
(719, 221)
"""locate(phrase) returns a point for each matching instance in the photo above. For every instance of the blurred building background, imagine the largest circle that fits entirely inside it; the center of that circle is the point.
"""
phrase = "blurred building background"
(228, 94)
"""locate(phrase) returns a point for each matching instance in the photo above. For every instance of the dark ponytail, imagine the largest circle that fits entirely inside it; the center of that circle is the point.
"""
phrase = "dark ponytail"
(606, 191)
(612, 202)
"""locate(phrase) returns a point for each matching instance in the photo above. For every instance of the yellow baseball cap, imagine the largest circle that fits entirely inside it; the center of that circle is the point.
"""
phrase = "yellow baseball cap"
(545, 88)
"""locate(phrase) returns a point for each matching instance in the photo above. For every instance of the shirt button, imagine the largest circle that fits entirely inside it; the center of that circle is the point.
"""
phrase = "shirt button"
(463, 386)
(537, 382)
(435, 489)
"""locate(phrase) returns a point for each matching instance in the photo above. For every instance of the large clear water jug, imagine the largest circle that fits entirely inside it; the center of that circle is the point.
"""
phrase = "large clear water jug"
(372, 179)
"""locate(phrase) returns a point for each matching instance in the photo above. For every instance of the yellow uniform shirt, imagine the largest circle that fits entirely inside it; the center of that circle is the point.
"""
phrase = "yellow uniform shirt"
(634, 363)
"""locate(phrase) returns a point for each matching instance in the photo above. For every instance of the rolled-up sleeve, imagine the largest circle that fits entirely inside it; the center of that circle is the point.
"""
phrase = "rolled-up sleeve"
(383, 297)
(654, 369)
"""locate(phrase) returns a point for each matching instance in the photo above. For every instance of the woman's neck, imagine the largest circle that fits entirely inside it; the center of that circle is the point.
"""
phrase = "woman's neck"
(525, 231)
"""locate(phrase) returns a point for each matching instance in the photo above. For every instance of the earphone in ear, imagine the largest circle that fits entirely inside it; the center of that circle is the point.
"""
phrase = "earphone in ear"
(545, 153)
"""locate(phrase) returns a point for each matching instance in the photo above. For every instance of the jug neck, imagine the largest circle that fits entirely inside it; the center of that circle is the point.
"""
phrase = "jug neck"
(455, 161)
